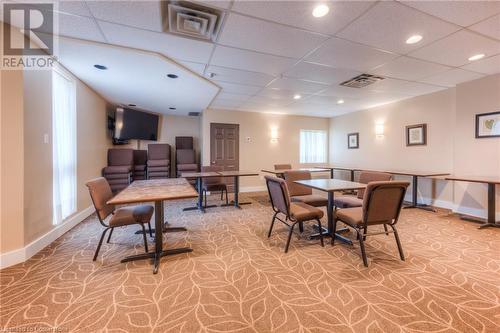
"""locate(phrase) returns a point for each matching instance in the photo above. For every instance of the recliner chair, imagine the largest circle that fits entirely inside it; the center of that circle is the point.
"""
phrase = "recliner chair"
(140, 160)
(158, 161)
(118, 173)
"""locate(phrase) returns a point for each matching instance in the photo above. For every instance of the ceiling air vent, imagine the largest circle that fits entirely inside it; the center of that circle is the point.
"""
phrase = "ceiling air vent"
(361, 81)
(193, 20)
(194, 114)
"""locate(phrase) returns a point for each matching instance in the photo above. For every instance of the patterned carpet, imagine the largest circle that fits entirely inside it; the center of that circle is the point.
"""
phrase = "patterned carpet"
(238, 280)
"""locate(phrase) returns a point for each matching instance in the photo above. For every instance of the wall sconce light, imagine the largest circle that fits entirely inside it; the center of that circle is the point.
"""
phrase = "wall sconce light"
(274, 134)
(379, 130)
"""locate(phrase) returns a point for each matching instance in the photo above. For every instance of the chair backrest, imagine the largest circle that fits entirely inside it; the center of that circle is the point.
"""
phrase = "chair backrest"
(140, 157)
(120, 156)
(383, 202)
(366, 177)
(295, 189)
(282, 166)
(278, 193)
(212, 180)
(183, 142)
(100, 193)
(159, 151)
(185, 156)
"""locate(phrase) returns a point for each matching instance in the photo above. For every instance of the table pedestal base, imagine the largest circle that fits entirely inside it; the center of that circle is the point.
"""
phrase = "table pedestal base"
(325, 233)
(156, 256)
(420, 206)
(484, 222)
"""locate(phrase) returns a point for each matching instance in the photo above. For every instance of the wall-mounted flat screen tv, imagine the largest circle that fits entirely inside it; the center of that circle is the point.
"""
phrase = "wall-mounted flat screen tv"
(133, 124)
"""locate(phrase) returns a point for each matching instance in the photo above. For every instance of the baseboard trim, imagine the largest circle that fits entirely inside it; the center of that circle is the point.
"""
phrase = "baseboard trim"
(21, 255)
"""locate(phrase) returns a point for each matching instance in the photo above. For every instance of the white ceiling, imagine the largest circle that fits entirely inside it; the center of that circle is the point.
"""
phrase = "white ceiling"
(269, 51)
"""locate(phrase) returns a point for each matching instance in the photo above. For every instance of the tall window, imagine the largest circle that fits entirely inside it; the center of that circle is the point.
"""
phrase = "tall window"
(313, 146)
(63, 145)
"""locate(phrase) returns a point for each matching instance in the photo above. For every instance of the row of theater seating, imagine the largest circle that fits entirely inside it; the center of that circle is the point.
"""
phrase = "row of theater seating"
(126, 165)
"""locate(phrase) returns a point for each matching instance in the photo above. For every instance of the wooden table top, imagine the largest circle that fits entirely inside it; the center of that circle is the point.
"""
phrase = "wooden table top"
(281, 171)
(330, 167)
(237, 173)
(412, 173)
(154, 190)
(331, 185)
(207, 174)
(475, 179)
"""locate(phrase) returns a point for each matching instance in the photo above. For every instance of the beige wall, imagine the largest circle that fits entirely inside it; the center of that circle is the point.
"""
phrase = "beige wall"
(259, 152)
(451, 146)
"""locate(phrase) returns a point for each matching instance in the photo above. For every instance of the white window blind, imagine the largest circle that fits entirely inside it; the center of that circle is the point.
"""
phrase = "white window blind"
(63, 145)
(313, 146)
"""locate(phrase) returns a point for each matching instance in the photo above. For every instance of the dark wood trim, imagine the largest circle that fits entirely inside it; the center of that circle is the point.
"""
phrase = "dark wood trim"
(424, 130)
(357, 141)
(477, 125)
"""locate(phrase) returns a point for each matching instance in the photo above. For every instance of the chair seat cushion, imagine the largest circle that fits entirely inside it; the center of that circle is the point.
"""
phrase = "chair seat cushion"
(186, 167)
(153, 163)
(303, 212)
(117, 169)
(112, 176)
(347, 201)
(139, 167)
(311, 199)
(352, 216)
(131, 215)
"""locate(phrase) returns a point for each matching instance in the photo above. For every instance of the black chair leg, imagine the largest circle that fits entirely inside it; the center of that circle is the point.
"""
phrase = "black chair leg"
(289, 238)
(362, 246)
(332, 236)
(272, 224)
(145, 238)
(100, 243)
(150, 230)
(400, 248)
(205, 195)
(221, 195)
(386, 231)
(301, 227)
(364, 233)
(320, 233)
(109, 236)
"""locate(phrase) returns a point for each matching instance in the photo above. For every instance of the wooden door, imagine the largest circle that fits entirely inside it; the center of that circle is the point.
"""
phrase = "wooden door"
(224, 145)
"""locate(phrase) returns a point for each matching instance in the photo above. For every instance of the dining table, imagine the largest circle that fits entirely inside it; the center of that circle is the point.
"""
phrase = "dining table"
(280, 173)
(157, 191)
(333, 168)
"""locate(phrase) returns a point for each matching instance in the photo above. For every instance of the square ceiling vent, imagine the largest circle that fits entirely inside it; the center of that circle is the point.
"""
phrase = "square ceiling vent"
(361, 81)
(193, 20)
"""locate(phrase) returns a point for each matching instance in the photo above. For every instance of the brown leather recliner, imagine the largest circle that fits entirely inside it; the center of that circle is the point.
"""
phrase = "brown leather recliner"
(140, 161)
(118, 173)
(185, 161)
(158, 161)
(365, 177)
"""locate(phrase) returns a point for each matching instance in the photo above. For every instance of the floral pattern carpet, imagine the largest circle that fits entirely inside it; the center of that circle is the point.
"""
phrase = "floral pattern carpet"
(238, 280)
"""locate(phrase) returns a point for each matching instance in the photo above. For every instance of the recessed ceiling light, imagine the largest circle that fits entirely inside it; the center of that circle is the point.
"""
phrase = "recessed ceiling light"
(172, 76)
(476, 57)
(173, 108)
(297, 97)
(414, 39)
(340, 101)
(101, 67)
(132, 105)
(320, 10)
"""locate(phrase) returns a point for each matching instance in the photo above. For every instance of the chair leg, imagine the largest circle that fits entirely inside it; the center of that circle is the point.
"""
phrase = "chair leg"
(362, 246)
(400, 248)
(100, 243)
(320, 233)
(110, 233)
(386, 231)
(364, 233)
(150, 230)
(144, 236)
(272, 224)
(205, 195)
(289, 238)
(301, 227)
(227, 199)
(334, 231)
(221, 195)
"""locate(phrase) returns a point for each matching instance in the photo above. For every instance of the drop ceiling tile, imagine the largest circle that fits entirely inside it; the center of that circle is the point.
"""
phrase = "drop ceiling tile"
(269, 101)
(299, 13)
(224, 104)
(362, 94)
(79, 27)
(232, 97)
(389, 24)
(408, 69)
(223, 4)
(486, 66)
(298, 86)
(73, 7)
(272, 93)
(250, 61)
(489, 27)
(404, 87)
(239, 76)
(139, 14)
(463, 13)
(253, 34)
(451, 78)
(234, 88)
(455, 49)
(329, 101)
(341, 53)
(320, 73)
(166, 44)
(261, 107)
(194, 66)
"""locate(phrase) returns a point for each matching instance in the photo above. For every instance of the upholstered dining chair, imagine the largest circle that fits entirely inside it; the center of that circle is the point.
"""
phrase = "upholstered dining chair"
(365, 177)
(282, 166)
(382, 204)
(301, 193)
(213, 184)
(293, 212)
(100, 193)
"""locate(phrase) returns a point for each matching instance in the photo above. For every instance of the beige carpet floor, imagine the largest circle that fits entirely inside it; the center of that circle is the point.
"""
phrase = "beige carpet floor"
(238, 280)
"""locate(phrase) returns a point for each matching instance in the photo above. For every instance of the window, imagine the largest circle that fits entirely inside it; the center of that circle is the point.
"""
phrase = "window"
(313, 146)
(63, 145)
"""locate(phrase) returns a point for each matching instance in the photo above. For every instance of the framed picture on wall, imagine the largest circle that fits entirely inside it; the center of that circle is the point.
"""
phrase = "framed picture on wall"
(416, 135)
(353, 140)
(488, 125)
